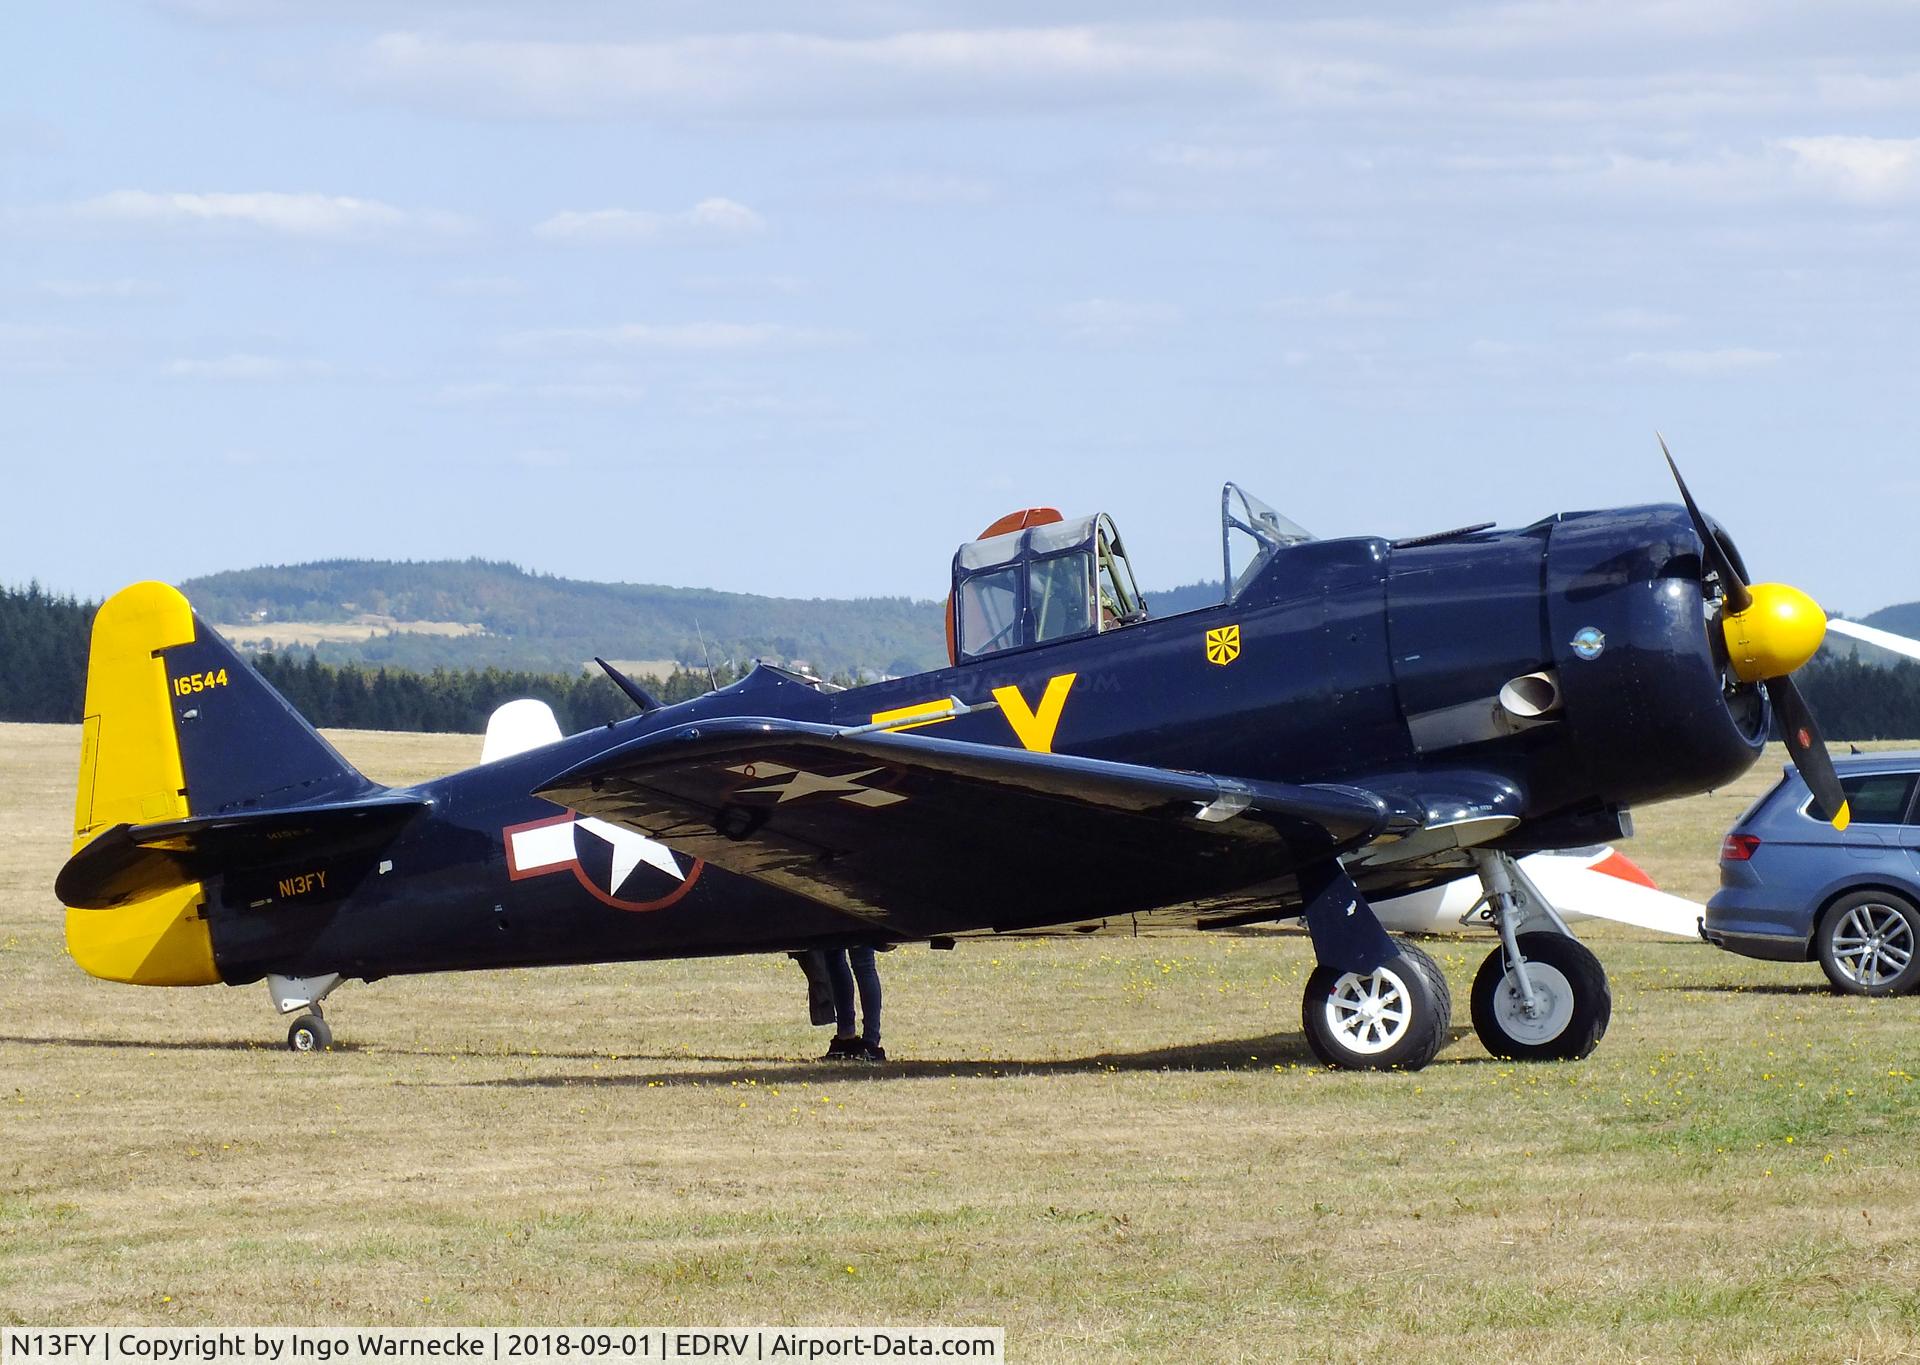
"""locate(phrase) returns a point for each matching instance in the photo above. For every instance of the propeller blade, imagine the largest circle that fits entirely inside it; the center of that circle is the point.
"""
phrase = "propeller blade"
(1885, 639)
(1738, 598)
(1808, 749)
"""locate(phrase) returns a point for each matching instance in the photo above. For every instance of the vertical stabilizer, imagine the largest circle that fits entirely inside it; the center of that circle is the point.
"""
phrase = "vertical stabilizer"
(177, 724)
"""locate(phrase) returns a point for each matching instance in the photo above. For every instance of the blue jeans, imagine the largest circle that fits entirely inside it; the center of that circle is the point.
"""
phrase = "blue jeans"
(846, 968)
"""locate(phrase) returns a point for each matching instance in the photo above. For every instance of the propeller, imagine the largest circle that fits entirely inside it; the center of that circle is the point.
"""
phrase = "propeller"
(1772, 629)
(1872, 635)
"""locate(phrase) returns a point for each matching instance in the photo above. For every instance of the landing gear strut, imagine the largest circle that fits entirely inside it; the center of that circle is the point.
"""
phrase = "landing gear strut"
(309, 1032)
(1541, 995)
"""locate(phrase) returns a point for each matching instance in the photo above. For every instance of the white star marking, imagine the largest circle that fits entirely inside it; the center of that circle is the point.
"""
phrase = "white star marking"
(552, 846)
(630, 850)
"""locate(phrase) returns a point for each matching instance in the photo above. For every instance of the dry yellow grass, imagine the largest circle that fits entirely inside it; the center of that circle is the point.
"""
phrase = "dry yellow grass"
(1118, 1150)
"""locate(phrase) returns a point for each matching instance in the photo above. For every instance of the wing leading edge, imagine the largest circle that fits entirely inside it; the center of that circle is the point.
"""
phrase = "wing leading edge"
(910, 831)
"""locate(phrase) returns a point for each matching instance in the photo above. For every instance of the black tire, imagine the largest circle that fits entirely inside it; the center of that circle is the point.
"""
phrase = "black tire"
(1578, 1006)
(309, 1034)
(1436, 978)
(1861, 938)
(1404, 1036)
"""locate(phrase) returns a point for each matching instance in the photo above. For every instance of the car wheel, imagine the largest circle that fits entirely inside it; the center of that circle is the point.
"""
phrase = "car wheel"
(1869, 943)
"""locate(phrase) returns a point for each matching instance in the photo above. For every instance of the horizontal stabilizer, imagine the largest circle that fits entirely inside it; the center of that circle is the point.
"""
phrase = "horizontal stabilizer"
(130, 862)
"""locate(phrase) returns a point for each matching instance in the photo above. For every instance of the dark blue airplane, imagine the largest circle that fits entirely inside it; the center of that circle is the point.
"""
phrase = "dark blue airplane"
(1357, 717)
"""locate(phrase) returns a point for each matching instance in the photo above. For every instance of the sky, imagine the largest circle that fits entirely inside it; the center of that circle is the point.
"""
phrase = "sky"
(793, 299)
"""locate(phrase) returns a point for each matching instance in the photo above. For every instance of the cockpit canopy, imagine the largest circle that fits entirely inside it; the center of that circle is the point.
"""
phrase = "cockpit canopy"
(1034, 576)
(1050, 579)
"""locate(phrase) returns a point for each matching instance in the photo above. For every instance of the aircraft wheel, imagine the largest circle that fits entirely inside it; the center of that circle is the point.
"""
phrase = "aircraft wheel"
(1570, 987)
(1443, 993)
(1388, 1019)
(309, 1034)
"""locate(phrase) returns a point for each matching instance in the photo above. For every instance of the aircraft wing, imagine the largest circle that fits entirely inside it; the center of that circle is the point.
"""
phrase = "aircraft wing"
(868, 821)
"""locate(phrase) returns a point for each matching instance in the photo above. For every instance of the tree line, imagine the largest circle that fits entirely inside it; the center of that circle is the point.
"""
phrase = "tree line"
(43, 652)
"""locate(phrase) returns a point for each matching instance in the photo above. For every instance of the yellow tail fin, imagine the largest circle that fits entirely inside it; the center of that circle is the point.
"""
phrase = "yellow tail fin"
(130, 773)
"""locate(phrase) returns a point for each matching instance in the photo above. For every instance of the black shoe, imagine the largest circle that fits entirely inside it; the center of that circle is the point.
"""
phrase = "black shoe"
(843, 1050)
(871, 1052)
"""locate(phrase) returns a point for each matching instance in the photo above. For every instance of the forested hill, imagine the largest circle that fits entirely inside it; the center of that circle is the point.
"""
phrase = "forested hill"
(479, 613)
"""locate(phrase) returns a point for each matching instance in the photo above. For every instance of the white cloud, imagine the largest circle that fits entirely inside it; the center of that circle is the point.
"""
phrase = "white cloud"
(78, 290)
(244, 368)
(30, 348)
(799, 72)
(312, 216)
(709, 220)
(1864, 169)
(1639, 320)
(674, 336)
(1202, 157)
(589, 391)
(481, 287)
(1728, 360)
(939, 190)
(1109, 322)
(1340, 304)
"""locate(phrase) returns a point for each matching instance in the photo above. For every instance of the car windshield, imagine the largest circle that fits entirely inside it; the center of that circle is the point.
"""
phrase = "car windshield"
(1255, 531)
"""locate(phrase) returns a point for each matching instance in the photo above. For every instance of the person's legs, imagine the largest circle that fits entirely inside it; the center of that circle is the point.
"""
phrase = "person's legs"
(840, 977)
(867, 976)
(813, 963)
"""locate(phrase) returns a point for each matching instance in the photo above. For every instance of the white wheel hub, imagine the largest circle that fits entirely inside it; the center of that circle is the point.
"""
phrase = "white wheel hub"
(1367, 1014)
(1552, 999)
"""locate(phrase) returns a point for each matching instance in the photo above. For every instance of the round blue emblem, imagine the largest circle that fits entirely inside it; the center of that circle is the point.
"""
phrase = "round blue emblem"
(1589, 643)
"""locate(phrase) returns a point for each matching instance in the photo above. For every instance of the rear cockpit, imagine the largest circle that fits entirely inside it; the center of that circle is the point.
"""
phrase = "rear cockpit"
(1036, 577)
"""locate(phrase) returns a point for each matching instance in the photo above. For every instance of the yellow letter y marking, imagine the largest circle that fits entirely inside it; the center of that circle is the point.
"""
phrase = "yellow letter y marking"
(1035, 727)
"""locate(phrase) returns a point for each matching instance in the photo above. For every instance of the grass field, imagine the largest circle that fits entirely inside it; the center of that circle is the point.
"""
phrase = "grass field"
(1117, 1150)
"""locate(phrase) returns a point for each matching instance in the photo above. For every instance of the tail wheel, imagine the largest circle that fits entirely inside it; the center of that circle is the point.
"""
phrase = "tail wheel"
(1387, 1019)
(1571, 997)
(1869, 943)
(309, 1034)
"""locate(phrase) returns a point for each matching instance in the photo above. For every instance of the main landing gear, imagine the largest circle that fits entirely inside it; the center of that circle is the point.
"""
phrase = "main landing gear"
(1374, 1003)
(1392, 1018)
(310, 1032)
(1377, 1003)
(1541, 995)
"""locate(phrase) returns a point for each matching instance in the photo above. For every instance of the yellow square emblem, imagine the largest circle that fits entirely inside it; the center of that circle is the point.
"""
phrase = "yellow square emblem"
(1223, 645)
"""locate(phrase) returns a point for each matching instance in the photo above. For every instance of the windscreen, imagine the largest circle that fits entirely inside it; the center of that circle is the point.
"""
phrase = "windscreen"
(990, 611)
(1252, 533)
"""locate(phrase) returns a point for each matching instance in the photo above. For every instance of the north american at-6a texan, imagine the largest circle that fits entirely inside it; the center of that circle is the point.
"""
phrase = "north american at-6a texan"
(1357, 718)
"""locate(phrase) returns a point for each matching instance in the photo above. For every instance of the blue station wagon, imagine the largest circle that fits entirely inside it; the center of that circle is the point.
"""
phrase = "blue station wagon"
(1794, 889)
